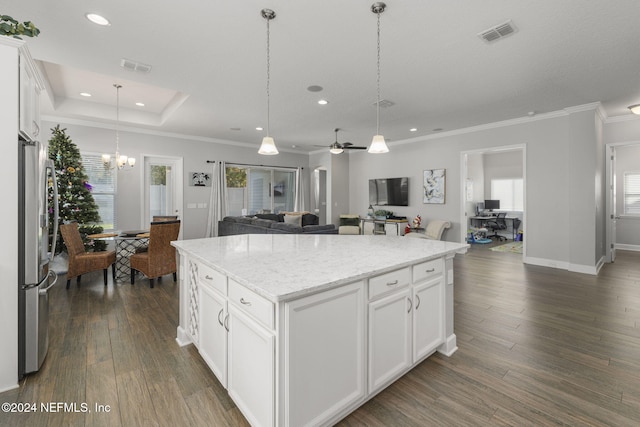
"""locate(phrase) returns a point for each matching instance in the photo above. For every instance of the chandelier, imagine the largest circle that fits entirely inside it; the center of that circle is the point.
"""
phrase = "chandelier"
(120, 159)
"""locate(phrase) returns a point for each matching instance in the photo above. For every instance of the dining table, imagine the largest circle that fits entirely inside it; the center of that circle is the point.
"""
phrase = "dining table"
(127, 243)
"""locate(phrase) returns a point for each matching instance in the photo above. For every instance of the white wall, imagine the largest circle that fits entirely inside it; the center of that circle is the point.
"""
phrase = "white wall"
(505, 164)
(561, 155)
(195, 153)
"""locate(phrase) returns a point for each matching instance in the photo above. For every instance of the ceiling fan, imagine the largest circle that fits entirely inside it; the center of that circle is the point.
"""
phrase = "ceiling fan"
(337, 148)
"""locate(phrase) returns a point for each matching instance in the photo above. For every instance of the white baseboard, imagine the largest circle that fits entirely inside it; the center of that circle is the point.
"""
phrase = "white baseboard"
(563, 265)
(182, 338)
(7, 388)
(625, 247)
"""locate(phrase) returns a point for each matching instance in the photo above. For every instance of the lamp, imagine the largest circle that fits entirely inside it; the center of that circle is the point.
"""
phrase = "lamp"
(377, 143)
(268, 146)
(120, 160)
(635, 109)
(336, 148)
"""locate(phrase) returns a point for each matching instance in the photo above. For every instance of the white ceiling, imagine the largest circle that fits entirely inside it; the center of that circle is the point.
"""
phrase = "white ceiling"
(208, 58)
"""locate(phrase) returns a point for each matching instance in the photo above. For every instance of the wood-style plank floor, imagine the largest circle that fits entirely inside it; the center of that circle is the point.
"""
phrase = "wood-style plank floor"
(537, 346)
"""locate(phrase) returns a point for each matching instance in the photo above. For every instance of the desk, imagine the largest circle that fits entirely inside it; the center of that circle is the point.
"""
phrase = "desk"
(480, 220)
(380, 225)
(126, 246)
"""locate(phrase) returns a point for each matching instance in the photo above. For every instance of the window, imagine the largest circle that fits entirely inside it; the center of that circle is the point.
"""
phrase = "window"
(510, 192)
(631, 193)
(104, 188)
(253, 189)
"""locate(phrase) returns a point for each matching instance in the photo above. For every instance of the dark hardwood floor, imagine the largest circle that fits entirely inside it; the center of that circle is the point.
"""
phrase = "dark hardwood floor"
(537, 346)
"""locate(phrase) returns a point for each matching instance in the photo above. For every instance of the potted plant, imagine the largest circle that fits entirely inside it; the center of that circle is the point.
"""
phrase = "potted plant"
(12, 28)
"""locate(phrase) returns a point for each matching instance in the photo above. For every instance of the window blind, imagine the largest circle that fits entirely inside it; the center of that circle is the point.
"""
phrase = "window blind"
(632, 193)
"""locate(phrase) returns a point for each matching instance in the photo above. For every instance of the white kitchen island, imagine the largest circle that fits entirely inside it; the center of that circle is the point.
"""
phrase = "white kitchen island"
(302, 329)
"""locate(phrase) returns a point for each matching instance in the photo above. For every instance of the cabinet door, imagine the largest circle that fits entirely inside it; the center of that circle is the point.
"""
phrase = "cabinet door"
(251, 368)
(325, 351)
(26, 99)
(389, 338)
(428, 327)
(213, 335)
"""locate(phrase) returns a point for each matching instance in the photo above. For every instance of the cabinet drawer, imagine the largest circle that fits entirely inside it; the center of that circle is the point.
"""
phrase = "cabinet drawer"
(389, 282)
(427, 270)
(251, 303)
(210, 277)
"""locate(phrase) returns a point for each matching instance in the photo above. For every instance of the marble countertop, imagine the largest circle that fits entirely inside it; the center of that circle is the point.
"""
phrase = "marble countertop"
(282, 267)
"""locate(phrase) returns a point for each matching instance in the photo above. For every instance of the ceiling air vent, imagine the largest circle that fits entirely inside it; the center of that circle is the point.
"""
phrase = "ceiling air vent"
(497, 32)
(135, 66)
(385, 103)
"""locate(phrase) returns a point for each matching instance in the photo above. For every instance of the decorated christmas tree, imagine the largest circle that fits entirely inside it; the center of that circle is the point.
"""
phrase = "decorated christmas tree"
(74, 191)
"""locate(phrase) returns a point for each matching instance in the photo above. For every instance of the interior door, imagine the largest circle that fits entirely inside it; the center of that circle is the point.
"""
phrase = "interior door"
(162, 187)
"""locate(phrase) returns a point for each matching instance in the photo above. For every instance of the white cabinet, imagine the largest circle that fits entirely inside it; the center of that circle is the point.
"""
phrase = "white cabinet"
(251, 368)
(213, 332)
(389, 338)
(428, 325)
(29, 100)
(406, 323)
(325, 352)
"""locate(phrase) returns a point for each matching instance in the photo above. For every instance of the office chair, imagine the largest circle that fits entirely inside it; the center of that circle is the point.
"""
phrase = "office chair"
(499, 223)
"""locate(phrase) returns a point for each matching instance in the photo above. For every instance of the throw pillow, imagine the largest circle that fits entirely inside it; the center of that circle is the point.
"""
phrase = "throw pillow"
(293, 219)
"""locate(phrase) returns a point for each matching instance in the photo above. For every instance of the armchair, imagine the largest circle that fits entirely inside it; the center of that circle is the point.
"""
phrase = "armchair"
(81, 261)
(434, 231)
(160, 257)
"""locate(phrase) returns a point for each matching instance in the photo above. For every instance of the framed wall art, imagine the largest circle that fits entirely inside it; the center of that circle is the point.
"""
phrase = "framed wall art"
(200, 179)
(433, 186)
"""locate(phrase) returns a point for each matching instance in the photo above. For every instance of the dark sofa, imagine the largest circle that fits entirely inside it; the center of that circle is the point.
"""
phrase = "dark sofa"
(272, 224)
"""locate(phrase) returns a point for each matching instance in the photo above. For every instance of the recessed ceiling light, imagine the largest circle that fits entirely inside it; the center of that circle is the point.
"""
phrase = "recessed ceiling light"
(314, 88)
(235, 129)
(140, 104)
(323, 102)
(259, 128)
(98, 19)
(413, 129)
(437, 130)
(85, 94)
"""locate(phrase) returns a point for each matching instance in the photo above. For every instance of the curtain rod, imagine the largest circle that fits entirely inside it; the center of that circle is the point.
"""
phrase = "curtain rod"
(263, 166)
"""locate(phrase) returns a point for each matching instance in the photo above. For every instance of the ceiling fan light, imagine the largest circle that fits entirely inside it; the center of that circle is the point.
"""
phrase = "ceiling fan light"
(336, 149)
(635, 109)
(378, 146)
(268, 147)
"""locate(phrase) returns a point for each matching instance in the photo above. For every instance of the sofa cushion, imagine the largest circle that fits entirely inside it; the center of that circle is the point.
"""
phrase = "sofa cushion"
(272, 217)
(316, 228)
(310, 219)
(293, 219)
(262, 222)
(244, 219)
(284, 226)
(230, 218)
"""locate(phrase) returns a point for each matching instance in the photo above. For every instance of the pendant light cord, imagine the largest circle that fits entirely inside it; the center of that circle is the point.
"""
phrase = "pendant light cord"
(117, 86)
(378, 81)
(268, 73)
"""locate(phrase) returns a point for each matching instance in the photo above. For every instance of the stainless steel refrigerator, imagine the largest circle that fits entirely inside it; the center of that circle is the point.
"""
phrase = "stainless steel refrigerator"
(35, 279)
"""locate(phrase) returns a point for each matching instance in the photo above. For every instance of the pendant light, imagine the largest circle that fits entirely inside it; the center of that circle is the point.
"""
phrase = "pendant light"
(268, 146)
(120, 160)
(377, 144)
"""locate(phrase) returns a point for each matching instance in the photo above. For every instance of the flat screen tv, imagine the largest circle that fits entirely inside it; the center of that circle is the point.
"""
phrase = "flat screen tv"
(389, 192)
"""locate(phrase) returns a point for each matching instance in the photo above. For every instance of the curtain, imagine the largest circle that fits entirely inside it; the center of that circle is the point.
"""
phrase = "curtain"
(218, 199)
(299, 205)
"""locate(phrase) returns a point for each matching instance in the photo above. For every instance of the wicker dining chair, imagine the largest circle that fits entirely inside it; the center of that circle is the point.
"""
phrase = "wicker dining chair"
(81, 261)
(160, 257)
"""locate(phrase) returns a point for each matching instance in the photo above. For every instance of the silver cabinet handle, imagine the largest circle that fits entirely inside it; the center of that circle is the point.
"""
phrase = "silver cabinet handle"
(395, 282)
(244, 302)
(431, 270)
(417, 301)
(226, 322)
(410, 304)
(219, 314)
(208, 277)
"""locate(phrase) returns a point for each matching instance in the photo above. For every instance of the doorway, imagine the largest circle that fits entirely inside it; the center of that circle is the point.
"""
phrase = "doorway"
(163, 180)
(623, 198)
(494, 175)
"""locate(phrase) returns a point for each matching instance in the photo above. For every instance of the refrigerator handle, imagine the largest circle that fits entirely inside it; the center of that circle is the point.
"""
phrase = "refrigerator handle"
(50, 165)
(55, 279)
